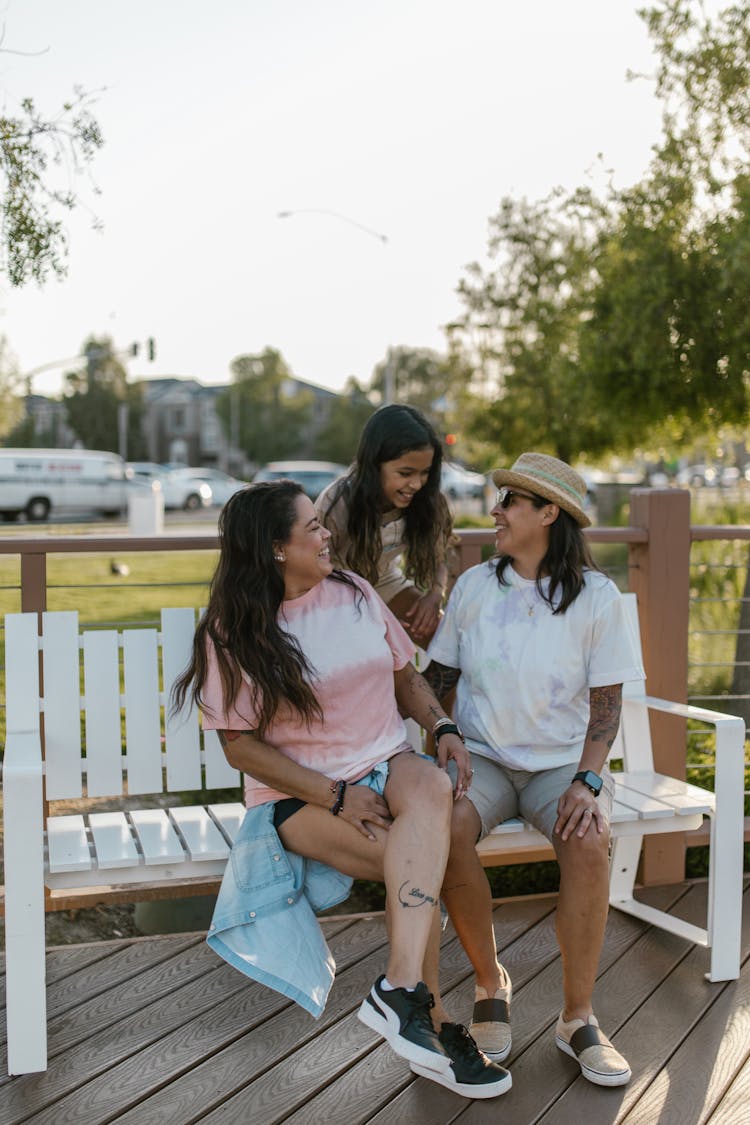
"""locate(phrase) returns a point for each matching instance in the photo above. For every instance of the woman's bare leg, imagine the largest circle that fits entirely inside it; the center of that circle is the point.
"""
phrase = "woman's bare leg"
(410, 857)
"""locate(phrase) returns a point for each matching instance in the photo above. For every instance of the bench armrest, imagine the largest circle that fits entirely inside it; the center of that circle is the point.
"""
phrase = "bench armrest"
(688, 711)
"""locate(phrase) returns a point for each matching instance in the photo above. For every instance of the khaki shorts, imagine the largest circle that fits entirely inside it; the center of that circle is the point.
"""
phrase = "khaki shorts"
(498, 793)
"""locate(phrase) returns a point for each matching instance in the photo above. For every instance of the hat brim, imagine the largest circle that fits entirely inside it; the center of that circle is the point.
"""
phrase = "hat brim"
(506, 478)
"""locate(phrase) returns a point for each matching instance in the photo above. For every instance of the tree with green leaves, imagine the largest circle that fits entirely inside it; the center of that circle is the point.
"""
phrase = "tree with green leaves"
(265, 412)
(94, 394)
(339, 435)
(37, 152)
(605, 323)
(11, 408)
(520, 330)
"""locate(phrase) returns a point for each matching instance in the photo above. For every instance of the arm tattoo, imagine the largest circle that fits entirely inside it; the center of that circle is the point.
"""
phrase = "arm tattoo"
(227, 736)
(441, 678)
(605, 705)
(420, 696)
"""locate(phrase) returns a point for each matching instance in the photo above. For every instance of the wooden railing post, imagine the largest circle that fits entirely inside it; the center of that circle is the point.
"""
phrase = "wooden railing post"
(660, 577)
(33, 582)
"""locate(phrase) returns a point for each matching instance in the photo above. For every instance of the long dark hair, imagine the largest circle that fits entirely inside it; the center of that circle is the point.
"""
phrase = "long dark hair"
(567, 559)
(247, 590)
(388, 434)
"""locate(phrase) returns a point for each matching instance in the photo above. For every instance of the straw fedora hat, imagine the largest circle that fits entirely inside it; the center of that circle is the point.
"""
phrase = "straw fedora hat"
(548, 477)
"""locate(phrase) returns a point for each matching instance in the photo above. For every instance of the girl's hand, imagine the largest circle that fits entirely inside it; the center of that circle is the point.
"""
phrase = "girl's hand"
(451, 746)
(363, 806)
(424, 615)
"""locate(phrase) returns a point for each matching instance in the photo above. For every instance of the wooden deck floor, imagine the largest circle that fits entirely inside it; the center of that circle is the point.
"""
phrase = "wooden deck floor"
(159, 1030)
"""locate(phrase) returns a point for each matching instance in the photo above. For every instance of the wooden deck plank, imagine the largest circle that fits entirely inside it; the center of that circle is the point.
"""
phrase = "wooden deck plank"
(143, 1026)
(123, 964)
(733, 1107)
(703, 1068)
(232, 1006)
(650, 1033)
(64, 960)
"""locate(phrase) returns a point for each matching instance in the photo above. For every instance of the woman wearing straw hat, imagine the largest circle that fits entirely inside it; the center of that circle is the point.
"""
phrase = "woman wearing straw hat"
(538, 647)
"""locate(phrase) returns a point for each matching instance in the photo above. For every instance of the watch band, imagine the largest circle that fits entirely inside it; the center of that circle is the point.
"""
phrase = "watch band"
(591, 780)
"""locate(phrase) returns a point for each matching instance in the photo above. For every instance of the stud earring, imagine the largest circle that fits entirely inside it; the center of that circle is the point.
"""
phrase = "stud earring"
(279, 558)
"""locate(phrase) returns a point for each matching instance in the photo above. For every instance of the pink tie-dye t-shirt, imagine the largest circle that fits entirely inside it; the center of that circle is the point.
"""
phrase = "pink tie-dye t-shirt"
(354, 644)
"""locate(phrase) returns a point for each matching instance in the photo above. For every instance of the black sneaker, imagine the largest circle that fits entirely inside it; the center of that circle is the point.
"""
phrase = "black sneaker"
(471, 1074)
(403, 1019)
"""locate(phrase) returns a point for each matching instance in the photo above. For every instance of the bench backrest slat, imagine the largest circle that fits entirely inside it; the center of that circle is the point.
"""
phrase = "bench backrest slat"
(21, 672)
(219, 773)
(182, 732)
(142, 711)
(101, 684)
(635, 730)
(62, 705)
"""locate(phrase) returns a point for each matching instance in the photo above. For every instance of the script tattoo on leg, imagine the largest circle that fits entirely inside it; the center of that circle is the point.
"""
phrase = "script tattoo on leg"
(413, 897)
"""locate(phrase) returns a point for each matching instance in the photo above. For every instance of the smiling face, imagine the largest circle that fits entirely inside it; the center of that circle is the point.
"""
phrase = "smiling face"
(522, 530)
(401, 480)
(304, 558)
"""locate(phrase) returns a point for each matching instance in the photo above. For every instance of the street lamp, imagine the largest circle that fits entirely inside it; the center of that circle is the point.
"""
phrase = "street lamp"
(335, 215)
(389, 374)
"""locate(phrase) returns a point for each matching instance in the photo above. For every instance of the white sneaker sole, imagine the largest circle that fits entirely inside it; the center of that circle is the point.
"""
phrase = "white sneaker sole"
(386, 1023)
(599, 1078)
(466, 1089)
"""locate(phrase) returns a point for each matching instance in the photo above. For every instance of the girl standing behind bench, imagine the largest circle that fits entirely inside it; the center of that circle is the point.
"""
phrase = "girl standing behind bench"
(389, 520)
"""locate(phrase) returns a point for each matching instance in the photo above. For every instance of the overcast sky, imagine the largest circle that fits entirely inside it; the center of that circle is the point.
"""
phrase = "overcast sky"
(411, 118)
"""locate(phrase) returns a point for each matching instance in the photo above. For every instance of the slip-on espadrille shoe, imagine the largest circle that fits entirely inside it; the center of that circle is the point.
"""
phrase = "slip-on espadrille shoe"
(490, 1021)
(598, 1059)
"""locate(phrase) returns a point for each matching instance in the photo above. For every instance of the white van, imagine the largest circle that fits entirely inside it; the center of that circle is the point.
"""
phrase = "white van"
(40, 481)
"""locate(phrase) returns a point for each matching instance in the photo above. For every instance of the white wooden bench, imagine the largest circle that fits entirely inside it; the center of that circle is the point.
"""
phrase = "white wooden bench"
(119, 684)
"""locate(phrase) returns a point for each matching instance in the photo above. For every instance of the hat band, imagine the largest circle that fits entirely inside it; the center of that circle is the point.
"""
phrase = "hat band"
(553, 480)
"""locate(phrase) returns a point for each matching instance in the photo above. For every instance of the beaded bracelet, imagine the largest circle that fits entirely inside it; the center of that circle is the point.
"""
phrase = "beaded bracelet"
(338, 804)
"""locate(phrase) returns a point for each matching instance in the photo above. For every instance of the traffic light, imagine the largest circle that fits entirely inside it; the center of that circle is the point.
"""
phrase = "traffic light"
(151, 345)
(450, 439)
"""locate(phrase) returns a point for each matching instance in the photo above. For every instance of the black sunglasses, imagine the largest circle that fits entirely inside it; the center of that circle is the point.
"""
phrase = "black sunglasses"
(506, 495)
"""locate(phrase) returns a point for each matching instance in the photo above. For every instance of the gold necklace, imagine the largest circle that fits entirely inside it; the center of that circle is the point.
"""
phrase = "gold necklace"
(530, 605)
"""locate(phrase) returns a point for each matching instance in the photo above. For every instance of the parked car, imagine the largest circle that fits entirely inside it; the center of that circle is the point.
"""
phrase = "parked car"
(314, 476)
(221, 484)
(459, 483)
(696, 476)
(37, 482)
(178, 492)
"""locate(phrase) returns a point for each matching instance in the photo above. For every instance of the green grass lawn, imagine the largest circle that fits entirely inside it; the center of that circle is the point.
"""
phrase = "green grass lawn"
(85, 582)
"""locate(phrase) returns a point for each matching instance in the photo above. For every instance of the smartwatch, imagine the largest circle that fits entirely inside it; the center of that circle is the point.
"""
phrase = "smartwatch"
(591, 780)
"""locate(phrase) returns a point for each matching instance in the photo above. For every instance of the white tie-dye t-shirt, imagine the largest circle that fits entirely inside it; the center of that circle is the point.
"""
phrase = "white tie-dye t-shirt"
(523, 694)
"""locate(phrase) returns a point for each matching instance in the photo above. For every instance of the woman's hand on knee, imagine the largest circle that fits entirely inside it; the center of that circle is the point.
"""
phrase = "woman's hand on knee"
(362, 807)
(577, 812)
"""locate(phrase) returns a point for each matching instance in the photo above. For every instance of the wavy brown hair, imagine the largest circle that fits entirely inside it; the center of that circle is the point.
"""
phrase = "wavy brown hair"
(241, 619)
(388, 434)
